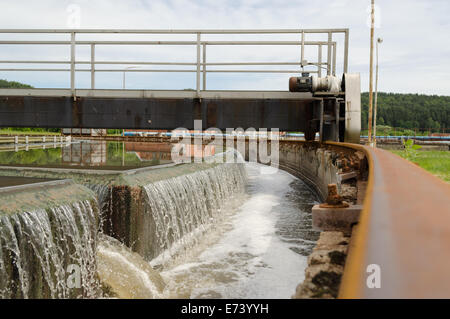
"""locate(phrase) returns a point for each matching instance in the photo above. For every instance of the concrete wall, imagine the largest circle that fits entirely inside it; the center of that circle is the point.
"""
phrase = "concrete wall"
(321, 164)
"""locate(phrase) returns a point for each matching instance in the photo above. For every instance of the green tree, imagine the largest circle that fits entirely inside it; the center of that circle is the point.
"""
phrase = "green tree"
(409, 111)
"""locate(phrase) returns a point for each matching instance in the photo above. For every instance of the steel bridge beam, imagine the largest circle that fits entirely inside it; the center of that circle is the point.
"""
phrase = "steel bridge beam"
(229, 110)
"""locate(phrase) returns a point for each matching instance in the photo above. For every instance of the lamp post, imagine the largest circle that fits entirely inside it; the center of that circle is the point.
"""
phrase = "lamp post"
(124, 71)
(372, 25)
(379, 40)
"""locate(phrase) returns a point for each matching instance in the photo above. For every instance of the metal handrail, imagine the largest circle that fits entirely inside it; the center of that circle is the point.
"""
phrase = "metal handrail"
(329, 64)
(176, 31)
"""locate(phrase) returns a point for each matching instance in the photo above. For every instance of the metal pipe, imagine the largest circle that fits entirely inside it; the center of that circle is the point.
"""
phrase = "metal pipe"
(150, 63)
(334, 59)
(303, 50)
(160, 70)
(198, 63)
(379, 40)
(92, 66)
(346, 51)
(309, 43)
(204, 66)
(72, 64)
(319, 68)
(329, 53)
(372, 15)
(174, 31)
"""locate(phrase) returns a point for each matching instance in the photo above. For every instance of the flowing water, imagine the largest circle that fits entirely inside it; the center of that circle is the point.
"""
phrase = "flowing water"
(126, 273)
(257, 249)
(40, 249)
(184, 207)
(260, 251)
(230, 231)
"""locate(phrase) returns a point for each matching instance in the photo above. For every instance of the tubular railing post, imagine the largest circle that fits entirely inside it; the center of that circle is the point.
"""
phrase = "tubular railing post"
(319, 70)
(329, 53)
(201, 64)
(204, 66)
(346, 51)
(198, 64)
(302, 50)
(334, 59)
(72, 64)
(92, 66)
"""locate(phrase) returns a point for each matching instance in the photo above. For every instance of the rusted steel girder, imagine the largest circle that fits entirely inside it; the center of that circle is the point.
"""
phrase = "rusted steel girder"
(153, 113)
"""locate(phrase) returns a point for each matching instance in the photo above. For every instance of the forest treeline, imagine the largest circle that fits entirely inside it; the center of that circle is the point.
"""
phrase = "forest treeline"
(409, 111)
(14, 85)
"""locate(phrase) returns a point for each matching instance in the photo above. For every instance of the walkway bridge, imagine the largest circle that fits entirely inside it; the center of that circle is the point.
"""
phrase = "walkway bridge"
(334, 113)
(404, 226)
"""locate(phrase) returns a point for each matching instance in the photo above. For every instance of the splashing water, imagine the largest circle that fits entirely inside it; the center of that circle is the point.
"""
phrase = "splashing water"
(104, 200)
(125, 273)
(37, 248)
(260, 251)
(184, 207)
(255, 249)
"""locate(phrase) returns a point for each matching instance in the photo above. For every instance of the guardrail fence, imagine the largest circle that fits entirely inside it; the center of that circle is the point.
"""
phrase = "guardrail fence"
(200, 65)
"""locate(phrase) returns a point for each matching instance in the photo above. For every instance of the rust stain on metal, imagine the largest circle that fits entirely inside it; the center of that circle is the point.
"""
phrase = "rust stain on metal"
(211, 114)
(197, 109)
(405, 229)
(76, 113)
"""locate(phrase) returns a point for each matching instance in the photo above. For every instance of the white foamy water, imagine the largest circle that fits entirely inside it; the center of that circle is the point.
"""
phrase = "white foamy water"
(260, 251)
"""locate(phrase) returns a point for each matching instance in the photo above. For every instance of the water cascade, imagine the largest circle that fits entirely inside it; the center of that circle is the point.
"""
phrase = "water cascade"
(183, 231)
(183, 206)
(49, 253)
(125, 274)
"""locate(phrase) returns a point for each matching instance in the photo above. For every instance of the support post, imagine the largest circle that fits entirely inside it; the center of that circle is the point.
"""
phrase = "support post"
(330, 40)
(204, 66)
(336, 111)
(371, 74)
(319, 73)
(321, 121)
(72, 65)
(302, 58)
(92, 66)
(198, 64)
(334, 60)
(346, 51)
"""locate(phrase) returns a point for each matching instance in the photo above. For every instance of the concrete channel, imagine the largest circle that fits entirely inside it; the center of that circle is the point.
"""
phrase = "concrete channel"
(393, 209)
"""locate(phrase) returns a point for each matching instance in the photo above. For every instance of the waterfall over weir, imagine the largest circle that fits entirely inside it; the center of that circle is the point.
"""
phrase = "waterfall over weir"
(43, 251)
(257, 248)
(184, 231)
(184, 206)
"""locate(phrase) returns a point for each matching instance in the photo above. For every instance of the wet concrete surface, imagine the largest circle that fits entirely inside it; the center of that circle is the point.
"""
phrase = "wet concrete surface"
(6, 181)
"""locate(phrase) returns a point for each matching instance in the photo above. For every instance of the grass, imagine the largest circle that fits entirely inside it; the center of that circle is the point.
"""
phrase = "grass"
(8, 131)
(436, 162)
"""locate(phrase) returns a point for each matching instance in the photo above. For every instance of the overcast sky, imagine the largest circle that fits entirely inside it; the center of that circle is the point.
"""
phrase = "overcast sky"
(414, 57)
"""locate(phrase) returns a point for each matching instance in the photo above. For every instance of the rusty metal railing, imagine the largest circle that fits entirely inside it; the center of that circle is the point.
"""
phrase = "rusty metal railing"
(403, 235)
